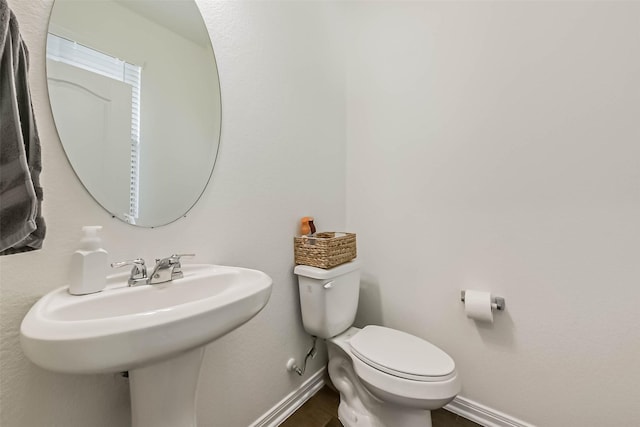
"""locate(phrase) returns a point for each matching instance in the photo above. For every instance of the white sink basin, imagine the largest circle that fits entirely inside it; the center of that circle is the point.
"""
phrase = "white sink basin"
(124, 328)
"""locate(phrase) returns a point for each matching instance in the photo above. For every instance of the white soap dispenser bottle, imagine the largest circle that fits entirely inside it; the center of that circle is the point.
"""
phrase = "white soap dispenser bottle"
(88, 264)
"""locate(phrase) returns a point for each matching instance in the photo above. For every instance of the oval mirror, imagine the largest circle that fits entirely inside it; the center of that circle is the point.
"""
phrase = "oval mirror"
(135, 96)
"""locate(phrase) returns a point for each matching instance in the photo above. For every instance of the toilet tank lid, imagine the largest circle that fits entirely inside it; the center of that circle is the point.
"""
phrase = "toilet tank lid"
(330, 273)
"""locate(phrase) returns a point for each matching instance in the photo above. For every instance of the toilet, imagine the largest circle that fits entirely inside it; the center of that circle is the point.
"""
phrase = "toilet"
(386, 378)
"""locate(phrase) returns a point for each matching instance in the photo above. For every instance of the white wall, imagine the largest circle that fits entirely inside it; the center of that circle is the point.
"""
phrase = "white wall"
(491, 145)
(495, 145)
(283, 104)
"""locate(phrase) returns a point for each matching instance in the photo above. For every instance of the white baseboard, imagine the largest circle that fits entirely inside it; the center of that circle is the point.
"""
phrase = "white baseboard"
(462, 406)
(483, 415)
(294, 400)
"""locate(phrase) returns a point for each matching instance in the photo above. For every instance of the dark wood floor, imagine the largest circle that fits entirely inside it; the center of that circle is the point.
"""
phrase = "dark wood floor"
(322, 411)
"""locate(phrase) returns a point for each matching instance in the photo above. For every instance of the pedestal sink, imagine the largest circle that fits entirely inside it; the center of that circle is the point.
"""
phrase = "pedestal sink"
(155, 332)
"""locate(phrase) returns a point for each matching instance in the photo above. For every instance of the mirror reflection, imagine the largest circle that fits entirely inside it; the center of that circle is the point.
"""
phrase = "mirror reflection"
(134, 91)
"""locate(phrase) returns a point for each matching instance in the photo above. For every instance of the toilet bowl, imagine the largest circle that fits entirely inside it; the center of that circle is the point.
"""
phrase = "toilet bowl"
(386, 377)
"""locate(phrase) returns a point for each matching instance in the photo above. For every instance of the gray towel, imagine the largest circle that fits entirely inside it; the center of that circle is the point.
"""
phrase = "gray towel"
(22, 227)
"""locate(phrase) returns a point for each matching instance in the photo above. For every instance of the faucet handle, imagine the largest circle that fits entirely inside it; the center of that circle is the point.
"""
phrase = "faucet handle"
(173, 260)
(167, 269)
(177, 267)
(138, 271)
(177, 257)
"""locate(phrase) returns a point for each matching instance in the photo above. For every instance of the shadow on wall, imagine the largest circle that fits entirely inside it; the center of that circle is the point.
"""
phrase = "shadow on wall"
(370, 303)
(500, 332)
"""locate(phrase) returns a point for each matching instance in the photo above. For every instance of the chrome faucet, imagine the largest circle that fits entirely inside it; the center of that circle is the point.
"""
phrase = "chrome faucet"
(167, 269)
(138, 274)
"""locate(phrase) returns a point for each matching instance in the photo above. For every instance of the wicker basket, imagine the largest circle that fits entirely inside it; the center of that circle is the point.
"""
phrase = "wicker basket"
(325, 250)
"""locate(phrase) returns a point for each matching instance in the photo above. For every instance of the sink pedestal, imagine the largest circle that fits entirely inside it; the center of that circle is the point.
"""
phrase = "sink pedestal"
(164, 394)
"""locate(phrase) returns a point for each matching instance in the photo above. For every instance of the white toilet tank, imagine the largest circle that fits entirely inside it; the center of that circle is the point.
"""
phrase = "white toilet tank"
(328, 298)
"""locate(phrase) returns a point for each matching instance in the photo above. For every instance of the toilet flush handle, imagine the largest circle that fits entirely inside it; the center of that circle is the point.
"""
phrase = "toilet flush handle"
(328, 285)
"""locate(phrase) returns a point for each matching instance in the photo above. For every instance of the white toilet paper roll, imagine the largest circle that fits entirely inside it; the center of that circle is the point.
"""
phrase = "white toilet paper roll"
(477, 306)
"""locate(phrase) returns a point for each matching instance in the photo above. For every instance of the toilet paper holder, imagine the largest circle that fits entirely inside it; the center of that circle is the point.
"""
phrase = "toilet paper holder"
(496, 302)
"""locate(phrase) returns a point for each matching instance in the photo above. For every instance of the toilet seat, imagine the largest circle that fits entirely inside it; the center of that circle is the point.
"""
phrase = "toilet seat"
(402, 355)
(426, 392)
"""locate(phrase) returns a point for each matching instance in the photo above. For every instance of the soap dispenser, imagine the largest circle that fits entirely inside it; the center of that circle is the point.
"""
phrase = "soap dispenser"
(88, 264)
